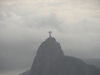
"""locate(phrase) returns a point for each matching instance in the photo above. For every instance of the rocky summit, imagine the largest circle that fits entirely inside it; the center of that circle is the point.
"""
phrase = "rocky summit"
(48, 53)
(50, 60)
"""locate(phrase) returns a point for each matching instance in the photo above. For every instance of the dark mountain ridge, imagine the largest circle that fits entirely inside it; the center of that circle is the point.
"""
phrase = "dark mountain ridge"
(72, 66)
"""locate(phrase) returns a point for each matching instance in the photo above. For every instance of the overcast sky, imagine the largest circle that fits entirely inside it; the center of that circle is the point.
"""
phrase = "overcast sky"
(24, 25)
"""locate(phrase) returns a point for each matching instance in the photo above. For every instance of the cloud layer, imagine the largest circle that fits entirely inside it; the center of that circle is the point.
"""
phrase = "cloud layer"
(24, 25)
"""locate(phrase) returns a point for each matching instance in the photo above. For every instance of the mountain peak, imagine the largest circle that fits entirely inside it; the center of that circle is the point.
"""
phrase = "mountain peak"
(48, 53)
(51, 39)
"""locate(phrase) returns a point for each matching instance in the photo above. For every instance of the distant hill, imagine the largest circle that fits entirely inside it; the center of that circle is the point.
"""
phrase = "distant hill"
(93, 61)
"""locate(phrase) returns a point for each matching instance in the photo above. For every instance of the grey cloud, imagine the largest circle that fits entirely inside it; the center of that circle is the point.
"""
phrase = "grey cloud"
(3, 15)
(48, 22)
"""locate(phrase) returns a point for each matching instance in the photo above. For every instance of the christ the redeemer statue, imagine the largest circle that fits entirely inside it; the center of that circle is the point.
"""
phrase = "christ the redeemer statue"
(49, 33)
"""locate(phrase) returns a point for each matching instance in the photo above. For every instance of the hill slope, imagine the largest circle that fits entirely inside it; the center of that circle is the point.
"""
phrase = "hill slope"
(93, 61)
(72, 66)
